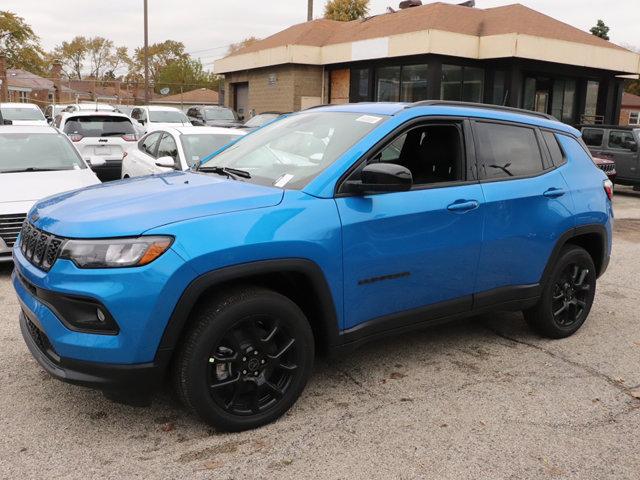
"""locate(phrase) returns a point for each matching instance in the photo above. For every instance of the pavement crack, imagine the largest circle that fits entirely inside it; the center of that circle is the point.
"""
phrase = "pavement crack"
(596, 373)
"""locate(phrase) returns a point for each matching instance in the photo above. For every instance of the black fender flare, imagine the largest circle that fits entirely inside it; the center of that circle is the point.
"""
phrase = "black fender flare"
(566, 237)
(180, 315)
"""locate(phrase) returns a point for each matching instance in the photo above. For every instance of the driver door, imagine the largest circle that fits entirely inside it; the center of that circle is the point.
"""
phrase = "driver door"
(414, 252)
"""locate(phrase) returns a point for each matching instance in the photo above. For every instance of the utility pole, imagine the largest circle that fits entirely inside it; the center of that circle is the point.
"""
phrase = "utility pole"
(309, 10)
(146, 53)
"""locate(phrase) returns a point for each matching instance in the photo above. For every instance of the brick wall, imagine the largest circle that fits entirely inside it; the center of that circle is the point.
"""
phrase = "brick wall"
(276, 89)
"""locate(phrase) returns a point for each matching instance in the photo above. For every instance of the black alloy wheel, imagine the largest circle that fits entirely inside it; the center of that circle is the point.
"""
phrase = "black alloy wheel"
(571, 292)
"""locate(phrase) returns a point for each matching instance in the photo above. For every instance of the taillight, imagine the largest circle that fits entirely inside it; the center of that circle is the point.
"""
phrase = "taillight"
(75, 137)
(129, 137)
(608, 188)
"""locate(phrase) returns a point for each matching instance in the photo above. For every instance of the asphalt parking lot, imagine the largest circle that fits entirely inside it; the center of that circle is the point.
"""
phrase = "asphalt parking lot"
(483, 398)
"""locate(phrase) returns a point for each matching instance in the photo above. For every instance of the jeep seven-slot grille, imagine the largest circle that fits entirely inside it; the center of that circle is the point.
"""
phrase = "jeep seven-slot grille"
(607, 167)
(10, 226)
(39, 247)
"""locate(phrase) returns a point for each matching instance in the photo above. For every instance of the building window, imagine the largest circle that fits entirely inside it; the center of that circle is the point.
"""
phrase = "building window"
(499, 94)
(414, 83)
(360, 85)
(388, 84)
(462, 83)
(23, 97)
(591, 103)
(564, 100)
(634, 118)
(406, 83)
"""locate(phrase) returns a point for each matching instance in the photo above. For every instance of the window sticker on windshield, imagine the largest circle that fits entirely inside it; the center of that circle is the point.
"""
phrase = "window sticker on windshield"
(368, 119)
(195, 158)
(283, 180)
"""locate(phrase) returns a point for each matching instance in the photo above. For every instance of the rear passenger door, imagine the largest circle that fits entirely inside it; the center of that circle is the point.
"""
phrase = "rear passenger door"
(527, 207)
(624, 151)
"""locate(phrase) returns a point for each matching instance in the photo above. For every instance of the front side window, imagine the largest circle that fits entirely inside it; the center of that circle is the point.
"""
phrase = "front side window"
(148, 144)
(508, 151)
(167, 116)
(294, 150)
(621, 140)
(99, 126)
(167, 147)
(17, 114)
(432, 153)
(593, 137)
(20, 152)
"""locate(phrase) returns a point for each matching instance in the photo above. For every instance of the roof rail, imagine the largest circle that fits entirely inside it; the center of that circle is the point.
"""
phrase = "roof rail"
(486, 106)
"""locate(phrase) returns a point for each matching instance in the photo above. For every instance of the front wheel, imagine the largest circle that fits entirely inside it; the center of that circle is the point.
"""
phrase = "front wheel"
(245, 360)
(567, 296)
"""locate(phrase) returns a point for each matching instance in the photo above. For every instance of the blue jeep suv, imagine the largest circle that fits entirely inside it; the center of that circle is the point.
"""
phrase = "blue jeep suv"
(321, 231)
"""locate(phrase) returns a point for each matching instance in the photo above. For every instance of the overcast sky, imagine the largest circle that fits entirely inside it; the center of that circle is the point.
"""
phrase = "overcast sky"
(203, 25)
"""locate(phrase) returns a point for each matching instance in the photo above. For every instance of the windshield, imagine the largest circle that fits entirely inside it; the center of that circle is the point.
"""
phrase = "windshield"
(167, 116)
(37, 151)
(99, 126)
(198, 146)
(294, 150)
(260, 120)
(219, 114)
(13, 113)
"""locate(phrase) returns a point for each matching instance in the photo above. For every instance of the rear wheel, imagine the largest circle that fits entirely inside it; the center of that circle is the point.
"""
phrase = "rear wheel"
(245, 360)
(567, 296)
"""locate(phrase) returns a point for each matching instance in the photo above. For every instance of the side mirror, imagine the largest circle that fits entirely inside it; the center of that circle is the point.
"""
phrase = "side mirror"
(96, 161)
(196, 123)
(142, 121)
(165, 162)
(382, 177)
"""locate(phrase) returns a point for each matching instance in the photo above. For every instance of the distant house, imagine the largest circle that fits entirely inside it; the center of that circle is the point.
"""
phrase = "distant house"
(509, 55)
(630, 110)
(27, 87)
(111, 91)
(185, 100)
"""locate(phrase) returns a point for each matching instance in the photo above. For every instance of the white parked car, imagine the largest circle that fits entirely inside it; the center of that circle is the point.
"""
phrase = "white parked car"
(22, 114)
(154, 117)
(90, 107)
(52, 110)
(175, 149)
(35, 162)
(100, 135)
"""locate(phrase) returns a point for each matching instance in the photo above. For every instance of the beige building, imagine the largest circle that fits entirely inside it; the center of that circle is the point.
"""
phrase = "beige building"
(509, 55)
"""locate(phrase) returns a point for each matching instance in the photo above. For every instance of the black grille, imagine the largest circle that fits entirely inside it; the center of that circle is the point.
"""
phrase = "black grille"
(39, 247)
(608, 167)
(10, 226)
(42, 341)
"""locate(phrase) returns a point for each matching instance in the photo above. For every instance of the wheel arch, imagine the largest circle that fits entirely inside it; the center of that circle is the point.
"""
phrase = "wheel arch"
(299, 279)
(593, 238)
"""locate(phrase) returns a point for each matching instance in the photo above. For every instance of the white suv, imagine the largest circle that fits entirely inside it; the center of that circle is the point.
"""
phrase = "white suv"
(35, 162)
(155, 117)
(22, 114)
(100, 137)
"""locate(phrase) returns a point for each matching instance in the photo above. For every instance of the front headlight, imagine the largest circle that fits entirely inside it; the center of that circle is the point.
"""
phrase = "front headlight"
(116, 252)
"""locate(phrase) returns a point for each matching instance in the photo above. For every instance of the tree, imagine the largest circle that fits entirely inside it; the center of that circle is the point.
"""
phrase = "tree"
(96, 55)
(600, 30)
(20, 44)
(346, 10)
(236, 47)
(73, 55)
(186, 72)
(160, 55)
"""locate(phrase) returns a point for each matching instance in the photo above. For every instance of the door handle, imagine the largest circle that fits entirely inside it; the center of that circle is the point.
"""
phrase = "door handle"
(554, 192)
(463, 205)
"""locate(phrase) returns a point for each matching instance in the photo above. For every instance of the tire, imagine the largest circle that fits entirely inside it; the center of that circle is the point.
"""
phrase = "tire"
(245, 360)
(567, 296)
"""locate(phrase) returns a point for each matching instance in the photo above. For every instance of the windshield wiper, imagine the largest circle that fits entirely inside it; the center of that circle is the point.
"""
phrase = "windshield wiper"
(31, 169)
(114, 134)
(229, 172)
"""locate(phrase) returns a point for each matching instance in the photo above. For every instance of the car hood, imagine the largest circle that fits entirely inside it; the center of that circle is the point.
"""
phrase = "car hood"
(131, 207)
(32, 186)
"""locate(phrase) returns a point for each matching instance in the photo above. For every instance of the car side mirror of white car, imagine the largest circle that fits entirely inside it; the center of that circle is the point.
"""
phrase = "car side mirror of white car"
(96, 161)
(165, 162)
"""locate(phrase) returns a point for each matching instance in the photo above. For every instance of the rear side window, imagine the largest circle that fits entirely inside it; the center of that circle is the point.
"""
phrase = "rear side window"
(557, 155)
(508, 151)
(593, 137)
(99, 126)
(622, 140)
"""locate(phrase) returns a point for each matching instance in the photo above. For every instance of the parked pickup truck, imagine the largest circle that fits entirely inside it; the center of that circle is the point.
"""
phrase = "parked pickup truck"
(617, 143)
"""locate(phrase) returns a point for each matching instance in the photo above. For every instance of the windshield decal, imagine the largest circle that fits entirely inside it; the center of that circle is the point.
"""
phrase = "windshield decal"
(283, 180)
(368, 119)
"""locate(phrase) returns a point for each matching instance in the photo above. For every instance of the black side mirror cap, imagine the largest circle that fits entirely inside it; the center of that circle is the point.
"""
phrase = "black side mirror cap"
(382, 177)
(7, 122)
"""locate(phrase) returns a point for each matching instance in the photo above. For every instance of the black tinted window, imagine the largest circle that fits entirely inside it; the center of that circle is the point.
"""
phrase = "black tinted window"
(622, 140)
(99, 126)
(168, 147)
(508, 151)
(592, 137)
(148, 144)
(557, 156)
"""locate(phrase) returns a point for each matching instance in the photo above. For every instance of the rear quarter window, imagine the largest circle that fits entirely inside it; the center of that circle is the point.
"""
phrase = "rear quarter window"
(508, 151)
(555, 150)
(593, 137)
